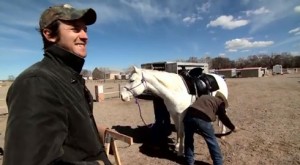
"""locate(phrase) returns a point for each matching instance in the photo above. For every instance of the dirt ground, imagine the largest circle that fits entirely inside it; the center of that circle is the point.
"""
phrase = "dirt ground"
(267, 110)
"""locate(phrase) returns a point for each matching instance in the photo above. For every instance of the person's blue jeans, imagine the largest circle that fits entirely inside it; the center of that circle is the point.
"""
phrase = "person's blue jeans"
(205, 128)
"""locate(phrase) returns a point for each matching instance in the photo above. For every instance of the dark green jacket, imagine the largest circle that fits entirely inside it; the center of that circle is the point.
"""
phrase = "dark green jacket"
(50, 115)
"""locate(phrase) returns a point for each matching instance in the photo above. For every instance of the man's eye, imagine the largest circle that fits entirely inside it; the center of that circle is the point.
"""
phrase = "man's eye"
(78, 29)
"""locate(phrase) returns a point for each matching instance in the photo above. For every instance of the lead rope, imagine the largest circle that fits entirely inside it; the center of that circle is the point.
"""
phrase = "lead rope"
(140, 111)
(136, 99)
(137, 102)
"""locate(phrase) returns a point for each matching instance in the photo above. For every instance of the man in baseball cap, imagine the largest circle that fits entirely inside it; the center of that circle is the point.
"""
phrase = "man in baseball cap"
(50, 109)
(198, 120)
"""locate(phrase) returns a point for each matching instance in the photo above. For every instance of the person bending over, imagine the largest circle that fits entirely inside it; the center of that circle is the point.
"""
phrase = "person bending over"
(198, 120)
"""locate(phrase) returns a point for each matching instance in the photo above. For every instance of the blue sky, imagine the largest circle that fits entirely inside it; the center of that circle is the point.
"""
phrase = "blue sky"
(132, 32)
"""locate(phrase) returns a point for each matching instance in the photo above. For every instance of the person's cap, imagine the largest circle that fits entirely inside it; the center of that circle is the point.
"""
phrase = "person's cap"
(222, 97)
(67, 13)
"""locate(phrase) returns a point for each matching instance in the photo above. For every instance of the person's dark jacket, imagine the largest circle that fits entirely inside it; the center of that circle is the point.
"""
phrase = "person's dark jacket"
(50, 115)
(208, 107)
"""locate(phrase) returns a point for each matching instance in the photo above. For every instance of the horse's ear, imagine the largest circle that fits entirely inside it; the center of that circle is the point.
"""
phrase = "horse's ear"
(135, 69)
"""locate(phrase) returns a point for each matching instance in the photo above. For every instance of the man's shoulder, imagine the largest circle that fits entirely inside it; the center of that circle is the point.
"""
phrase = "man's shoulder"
(40, 70)
(35, 70)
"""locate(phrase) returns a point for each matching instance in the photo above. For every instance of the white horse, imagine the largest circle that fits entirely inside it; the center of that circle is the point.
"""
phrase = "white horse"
(172, 89)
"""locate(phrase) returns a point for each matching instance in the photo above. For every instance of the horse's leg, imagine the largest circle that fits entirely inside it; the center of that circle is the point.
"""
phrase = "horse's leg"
(181, 140)
(181, 135)
(175, 119)
(223, 130)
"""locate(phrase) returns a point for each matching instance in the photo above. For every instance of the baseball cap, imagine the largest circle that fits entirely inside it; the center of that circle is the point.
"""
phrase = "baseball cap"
(221, 96)
(66, 12)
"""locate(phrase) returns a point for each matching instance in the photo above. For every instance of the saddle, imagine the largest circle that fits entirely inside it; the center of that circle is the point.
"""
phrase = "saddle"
(199, 83)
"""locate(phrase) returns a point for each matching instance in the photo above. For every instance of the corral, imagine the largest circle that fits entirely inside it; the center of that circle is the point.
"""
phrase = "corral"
(266, 109)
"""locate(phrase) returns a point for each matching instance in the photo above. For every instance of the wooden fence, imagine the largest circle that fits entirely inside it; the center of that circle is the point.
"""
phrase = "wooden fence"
(3, 108)
(109, 88)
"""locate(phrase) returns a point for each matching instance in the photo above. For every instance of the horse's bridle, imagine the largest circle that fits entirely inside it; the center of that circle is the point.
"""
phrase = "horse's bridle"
(143, 81)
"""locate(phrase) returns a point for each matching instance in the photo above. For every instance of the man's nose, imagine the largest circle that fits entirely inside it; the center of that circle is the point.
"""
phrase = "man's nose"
(83, 34)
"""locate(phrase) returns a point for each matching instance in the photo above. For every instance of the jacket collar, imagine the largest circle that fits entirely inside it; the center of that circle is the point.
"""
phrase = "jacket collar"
(66, 57)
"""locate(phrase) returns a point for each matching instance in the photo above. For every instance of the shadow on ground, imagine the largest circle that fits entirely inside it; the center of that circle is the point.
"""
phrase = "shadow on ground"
(165, 150)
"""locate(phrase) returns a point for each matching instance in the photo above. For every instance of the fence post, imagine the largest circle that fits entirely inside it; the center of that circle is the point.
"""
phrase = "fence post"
(119, 90)
(99, 93)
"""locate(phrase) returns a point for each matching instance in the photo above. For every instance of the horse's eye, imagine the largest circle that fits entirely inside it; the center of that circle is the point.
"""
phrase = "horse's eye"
(131, 81)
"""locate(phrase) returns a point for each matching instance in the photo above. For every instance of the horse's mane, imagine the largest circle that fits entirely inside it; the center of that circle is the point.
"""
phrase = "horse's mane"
(169, 80)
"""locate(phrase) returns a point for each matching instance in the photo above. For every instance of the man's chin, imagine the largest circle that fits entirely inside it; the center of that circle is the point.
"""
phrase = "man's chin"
(81, 55)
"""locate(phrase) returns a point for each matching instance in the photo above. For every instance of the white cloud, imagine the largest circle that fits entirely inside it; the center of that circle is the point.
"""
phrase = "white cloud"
(244, 43)
(204, 7)
(191, 20)
(246, 50)
(14, 31)
(150, 12)
(295, 53)
(297, 9)
(17, 51)
(278, 9)
(222, 55)
(290, 40)
(227, 22)
(130, 10)
(295, 31)
(259, 11)
(232, 50)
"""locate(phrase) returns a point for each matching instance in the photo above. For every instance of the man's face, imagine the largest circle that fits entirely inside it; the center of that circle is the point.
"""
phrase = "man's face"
(73, 37)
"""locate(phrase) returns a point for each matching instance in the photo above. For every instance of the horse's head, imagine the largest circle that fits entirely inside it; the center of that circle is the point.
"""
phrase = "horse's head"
(135, 86)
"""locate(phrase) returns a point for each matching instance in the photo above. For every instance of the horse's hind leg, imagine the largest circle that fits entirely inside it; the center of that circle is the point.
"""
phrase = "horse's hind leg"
(223, 129)
(180, 141)
(175, 120)
(181, 135)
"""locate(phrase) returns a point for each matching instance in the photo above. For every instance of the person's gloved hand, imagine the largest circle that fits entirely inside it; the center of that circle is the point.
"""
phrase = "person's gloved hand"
(236, 129)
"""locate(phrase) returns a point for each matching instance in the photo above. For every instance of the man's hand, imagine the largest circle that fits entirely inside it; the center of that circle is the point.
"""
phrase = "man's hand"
(236, 129)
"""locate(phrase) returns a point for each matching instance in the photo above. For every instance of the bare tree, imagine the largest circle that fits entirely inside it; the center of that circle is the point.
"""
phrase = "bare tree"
(221, 62)
(86, 73)
(193, 59)
(11, 78)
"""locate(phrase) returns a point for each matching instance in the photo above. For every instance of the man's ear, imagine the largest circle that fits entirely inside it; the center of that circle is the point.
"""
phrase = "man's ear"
(48, 36)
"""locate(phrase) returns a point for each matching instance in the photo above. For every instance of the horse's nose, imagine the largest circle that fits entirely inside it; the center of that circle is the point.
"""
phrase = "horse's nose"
(122, 97)
(125, 96)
